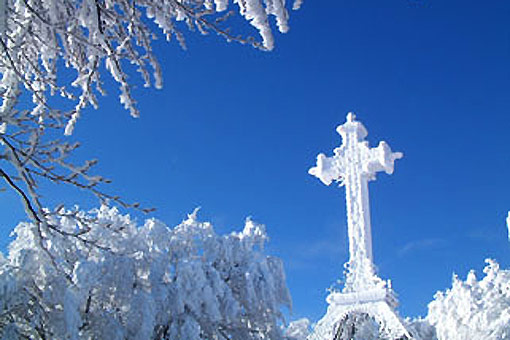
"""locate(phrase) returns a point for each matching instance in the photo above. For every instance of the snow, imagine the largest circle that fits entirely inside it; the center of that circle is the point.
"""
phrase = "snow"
(298, 329)
(473, 309)
(3, 18)
(297, 4)
(255, 13)
(141, 282)
(364, 296)
(390, 325)
(354, 164)
(43, 38)
(508, 225)
(40, 33)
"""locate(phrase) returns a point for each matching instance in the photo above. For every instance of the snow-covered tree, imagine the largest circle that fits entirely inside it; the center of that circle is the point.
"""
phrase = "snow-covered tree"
(298, 329)
(470, 310)
(421, 329)
(474, 309)
(52, 53)
(72, 275)
(140, 282)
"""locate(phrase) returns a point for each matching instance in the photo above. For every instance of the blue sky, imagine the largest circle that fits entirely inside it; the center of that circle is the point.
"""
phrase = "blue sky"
(234, 130)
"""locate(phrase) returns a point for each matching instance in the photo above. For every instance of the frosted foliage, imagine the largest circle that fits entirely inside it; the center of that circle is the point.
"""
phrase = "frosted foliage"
(36, 34)
(474, 309)
(141, 282)
(55, 53)
(421, 329)
(298, 330)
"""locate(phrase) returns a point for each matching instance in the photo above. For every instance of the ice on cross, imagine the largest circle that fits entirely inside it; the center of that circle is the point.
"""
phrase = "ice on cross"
(354, 163)
(364, 294)
(354, 155)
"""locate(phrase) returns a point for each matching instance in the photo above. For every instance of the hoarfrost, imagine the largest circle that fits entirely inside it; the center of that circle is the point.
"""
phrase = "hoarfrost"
(141, 282)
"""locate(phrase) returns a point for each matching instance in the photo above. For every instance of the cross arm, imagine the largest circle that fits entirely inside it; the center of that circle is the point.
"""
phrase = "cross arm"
(327, 169)
(382, 158)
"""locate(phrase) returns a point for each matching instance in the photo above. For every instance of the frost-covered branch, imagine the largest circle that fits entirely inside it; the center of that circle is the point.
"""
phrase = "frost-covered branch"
(474, 309)
(38, 34)
(176, 283)
(44, 43)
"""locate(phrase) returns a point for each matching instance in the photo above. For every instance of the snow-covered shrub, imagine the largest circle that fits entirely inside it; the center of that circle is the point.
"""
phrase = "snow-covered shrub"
(421, 329)
(474, 309)
(298, 329)
(118, 280)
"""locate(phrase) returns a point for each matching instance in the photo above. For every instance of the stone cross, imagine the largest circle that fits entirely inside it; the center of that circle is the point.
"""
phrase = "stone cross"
(353, 165)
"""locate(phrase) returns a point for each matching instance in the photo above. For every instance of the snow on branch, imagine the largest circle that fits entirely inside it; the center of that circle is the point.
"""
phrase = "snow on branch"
(143, 282)
(473, 309)
(40, 38)
(37, 34)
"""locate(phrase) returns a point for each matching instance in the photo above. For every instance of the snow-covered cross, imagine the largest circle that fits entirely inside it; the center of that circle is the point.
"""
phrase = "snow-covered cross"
(365, 296)
(353, 165)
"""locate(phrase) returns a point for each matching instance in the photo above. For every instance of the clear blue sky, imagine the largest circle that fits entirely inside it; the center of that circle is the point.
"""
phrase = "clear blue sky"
(235, 130)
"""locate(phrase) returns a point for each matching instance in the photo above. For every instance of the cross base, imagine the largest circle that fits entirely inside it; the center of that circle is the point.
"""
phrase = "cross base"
(346, 311)
(373, 295)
